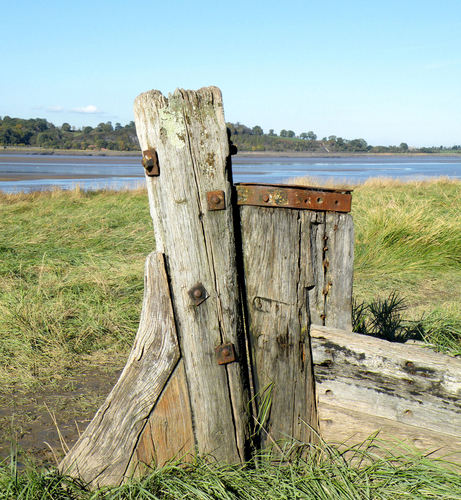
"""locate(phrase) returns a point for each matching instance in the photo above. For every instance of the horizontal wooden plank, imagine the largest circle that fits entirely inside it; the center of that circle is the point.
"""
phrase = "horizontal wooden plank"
(346, 427)
(401, 382)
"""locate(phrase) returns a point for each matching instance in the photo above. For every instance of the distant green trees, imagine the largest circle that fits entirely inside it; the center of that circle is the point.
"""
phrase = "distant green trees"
(40, 132)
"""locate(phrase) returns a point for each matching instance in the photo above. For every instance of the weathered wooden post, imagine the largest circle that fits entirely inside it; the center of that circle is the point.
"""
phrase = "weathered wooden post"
(289, 235)
(189, 385)
(189, 360)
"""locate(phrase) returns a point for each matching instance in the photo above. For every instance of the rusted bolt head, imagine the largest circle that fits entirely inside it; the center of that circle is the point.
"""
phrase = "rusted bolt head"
(265, 198)
(147, 162)
(225, 352)
(197, 293)
(216, 199)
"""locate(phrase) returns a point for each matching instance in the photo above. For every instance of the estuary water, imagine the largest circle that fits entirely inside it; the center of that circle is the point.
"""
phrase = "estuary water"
(38, 172)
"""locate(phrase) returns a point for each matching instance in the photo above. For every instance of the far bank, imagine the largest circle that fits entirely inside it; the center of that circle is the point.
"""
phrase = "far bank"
(240, 154)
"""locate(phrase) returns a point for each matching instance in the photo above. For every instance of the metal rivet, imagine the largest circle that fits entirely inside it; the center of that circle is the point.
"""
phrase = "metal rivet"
(150, 162)
(225, 353)
(215, 200)
(266, 198)
(198, 294)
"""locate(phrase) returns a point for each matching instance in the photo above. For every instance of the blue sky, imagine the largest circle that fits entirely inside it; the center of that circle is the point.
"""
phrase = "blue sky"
(384, 71)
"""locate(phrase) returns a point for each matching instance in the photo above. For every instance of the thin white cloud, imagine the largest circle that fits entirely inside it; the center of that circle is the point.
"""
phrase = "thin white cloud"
(442, 64)
(55, 109)
(89, 109)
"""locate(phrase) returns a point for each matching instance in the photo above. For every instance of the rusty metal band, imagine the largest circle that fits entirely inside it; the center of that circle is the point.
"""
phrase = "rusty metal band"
(299, 197)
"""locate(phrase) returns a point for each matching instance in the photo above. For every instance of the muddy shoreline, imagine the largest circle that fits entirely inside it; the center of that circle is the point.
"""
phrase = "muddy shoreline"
(240, 154)
(41, 424)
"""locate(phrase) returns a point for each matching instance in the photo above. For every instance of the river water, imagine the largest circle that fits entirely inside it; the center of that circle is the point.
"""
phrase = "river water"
(37, 172)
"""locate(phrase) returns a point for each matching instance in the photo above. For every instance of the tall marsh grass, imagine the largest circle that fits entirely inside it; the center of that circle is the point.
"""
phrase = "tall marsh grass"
(370, 470)
(71, 282)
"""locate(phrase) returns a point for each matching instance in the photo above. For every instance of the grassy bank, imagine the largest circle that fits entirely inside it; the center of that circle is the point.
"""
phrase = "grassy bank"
(70, 281)
(369, 471)
(35, 150)
(408, 240)
(71, 270)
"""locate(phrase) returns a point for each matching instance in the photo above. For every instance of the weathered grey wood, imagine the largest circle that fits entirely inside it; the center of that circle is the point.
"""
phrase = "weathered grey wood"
(317, 245)
(103, 453)
(188, 131)
(168, 433)
(347, 427)
(339, 270)
(332, 250)
(278, 273)
(400, 382)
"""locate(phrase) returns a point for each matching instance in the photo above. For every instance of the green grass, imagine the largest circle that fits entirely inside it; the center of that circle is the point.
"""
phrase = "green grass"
(369, 470)
(71, 280)
(71, 270)
(408, 240)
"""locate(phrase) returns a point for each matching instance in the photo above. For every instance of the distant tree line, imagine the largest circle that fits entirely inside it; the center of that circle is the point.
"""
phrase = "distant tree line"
(254, 139)
(39, 132)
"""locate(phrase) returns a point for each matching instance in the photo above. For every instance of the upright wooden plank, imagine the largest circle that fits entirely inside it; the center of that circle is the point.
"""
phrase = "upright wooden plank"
(278, 273)
(103, 453)
(339, 270)
(188, 131)
(168, 433)
(332, 250)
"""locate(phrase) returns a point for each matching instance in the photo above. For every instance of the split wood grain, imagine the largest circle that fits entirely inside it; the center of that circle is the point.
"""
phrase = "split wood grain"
(168, 433)
(332, 253)
(103, 453)
(278, 273)
(189, 133)
(404, 383)
(339, 270)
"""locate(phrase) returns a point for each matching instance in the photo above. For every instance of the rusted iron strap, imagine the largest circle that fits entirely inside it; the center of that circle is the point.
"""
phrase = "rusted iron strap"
(300, 197)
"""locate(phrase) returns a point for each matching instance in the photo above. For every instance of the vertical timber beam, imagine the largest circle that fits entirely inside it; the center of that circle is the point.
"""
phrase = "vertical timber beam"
(278, 275)
(332, 250)
(188, 132)
(339, 270)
